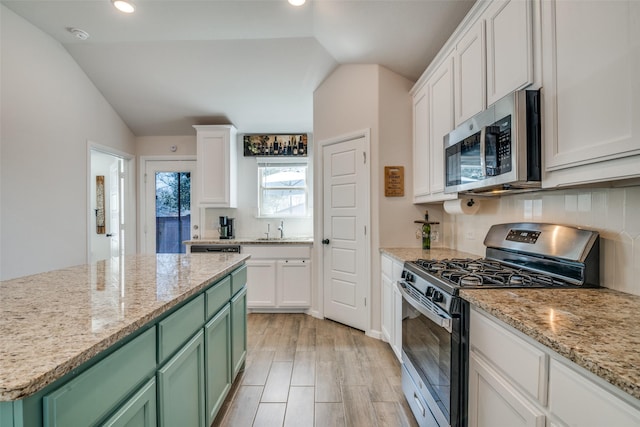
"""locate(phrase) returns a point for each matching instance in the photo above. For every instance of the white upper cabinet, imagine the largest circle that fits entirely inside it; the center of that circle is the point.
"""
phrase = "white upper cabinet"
(217, 166)
(591, 94)
(470, 73)
(509, 35)
(433, 119)
(441, 123)
(421, 187)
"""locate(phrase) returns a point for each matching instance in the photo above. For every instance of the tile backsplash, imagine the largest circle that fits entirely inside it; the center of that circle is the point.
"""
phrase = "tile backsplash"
(613, 212)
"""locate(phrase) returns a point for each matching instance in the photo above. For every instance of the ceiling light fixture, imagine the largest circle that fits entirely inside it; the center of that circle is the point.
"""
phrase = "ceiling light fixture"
(124, 6)
(296, 2)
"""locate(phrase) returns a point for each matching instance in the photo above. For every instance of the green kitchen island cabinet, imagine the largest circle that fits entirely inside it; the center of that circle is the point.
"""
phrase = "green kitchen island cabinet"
(161, 349)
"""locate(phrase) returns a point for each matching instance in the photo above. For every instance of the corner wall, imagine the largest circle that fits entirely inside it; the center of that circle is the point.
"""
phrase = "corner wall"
(49, 111)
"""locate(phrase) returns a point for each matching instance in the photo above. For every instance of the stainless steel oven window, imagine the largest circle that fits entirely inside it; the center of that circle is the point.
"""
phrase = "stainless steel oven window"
(428, 347)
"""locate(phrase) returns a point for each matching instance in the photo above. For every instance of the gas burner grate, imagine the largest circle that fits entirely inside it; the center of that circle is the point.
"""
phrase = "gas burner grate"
(469, 273)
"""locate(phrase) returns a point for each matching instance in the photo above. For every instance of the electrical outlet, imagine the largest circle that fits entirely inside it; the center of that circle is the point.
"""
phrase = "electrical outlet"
(470, 235)
(435, 237)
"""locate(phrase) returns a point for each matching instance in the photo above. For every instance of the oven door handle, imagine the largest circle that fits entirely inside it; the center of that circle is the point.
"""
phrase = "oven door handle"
(443, 322)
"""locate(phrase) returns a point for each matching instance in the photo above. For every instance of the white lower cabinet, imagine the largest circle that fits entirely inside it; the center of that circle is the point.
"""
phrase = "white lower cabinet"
(391, 303)
(493, 402)
(516, 381)
(278, 277)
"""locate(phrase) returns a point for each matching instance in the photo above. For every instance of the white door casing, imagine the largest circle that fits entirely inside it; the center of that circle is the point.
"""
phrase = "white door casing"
(148, 192)
(346, 224)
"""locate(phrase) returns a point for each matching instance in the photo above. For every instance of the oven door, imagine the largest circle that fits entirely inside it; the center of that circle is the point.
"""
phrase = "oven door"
(433, 347)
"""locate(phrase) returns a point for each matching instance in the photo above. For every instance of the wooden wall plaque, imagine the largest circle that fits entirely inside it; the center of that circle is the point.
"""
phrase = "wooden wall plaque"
(394, 181)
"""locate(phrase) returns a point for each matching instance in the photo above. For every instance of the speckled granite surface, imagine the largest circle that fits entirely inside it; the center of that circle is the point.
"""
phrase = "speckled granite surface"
(51, 323)
(598, 329)
(412, 254)
(240, 241)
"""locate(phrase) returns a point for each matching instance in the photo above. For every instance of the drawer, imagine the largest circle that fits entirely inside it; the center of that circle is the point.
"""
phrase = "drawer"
(176, 329)
(238, 279)
(96, 392)
(277, 251)
(520, 360)
(217, 296)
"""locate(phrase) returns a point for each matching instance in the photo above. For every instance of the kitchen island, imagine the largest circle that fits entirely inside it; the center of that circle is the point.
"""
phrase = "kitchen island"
(57, 326)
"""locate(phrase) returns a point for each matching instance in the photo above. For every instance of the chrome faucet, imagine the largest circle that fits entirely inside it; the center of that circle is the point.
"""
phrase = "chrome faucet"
(281, 229)
(268, 230)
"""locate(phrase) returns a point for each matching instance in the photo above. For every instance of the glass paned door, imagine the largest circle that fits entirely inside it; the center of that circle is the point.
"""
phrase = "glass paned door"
(171, 215)
(173, 211)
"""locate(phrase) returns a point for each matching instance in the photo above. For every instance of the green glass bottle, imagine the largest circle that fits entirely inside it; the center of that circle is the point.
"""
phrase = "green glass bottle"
(426, 232)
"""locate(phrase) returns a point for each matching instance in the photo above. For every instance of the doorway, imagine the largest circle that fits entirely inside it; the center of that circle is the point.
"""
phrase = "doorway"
(171, 215)
(346, 228)
(111, 226)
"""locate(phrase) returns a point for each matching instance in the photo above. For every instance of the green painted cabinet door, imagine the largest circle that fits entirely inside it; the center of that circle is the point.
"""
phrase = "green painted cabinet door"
(238, 330)
(217, 342)
(181, 387)
(139, 411)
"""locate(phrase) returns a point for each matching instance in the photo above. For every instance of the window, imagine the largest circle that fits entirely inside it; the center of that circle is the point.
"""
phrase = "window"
(283, 188)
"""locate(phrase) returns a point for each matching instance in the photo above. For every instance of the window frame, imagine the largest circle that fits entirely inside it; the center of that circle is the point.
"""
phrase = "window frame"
(270, 162)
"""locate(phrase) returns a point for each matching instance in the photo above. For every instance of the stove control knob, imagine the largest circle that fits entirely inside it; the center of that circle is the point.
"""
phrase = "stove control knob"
(404, 274)
(429, 292)
(409, 277)
(437, 296)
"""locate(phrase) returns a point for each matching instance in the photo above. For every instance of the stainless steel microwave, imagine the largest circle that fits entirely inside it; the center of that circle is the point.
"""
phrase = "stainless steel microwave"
(498, 149)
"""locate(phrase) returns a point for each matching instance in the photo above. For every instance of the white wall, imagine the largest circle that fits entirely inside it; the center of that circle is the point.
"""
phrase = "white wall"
(49, 110)
(615, 213)
(358, 97)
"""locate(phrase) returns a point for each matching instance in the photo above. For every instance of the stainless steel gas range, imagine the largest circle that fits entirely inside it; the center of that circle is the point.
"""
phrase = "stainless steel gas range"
(435, 325)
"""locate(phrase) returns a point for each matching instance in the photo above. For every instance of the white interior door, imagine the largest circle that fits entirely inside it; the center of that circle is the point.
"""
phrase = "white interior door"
(155, 215)
(346, 224)
(115, 202)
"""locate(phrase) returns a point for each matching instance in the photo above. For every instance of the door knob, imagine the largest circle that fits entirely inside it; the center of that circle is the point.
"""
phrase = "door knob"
(325, 242)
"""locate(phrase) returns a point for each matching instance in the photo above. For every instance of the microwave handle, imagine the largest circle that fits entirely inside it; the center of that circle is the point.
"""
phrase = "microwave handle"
(483, 151)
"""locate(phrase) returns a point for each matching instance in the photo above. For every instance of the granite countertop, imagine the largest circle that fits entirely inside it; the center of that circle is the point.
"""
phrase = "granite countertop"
(598, 329)
(412, 254)
(249, 241)
(51, 323)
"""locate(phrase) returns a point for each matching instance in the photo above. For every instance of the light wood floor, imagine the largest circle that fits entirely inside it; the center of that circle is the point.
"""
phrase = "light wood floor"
(302, 371)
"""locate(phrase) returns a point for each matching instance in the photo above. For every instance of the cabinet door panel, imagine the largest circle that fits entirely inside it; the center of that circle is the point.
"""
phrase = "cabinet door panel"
(139, 411)
(576, 400)
(294, 280)
(421, 186)
(181, 387)
(509, 47)
(441, 119)
(261, 283)
(591, 91)
(494, 403)
(470, 74)
(387, 308)
(217, 337)
(238, 331)
(216, 162)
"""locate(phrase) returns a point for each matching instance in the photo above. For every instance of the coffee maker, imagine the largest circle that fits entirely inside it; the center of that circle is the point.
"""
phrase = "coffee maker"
(226, 228)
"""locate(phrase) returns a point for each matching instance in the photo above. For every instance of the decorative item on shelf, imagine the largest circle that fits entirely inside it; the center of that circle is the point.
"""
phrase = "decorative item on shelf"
(275, 145)
(426, 230)
(394, 181)
(100, 225)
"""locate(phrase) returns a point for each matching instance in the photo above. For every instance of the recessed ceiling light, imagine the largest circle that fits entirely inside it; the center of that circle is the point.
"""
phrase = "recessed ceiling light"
(124, 6)
(297, 2)
(78, 33)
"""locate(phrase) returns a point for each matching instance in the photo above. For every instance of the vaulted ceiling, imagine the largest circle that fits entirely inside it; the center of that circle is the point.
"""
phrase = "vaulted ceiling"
(253, 63)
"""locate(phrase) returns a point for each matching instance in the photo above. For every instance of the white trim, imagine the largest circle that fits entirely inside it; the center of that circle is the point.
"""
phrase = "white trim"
(319, 218)
(129, 169)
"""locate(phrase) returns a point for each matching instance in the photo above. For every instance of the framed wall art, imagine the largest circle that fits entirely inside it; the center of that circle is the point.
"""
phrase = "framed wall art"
(275, 145)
